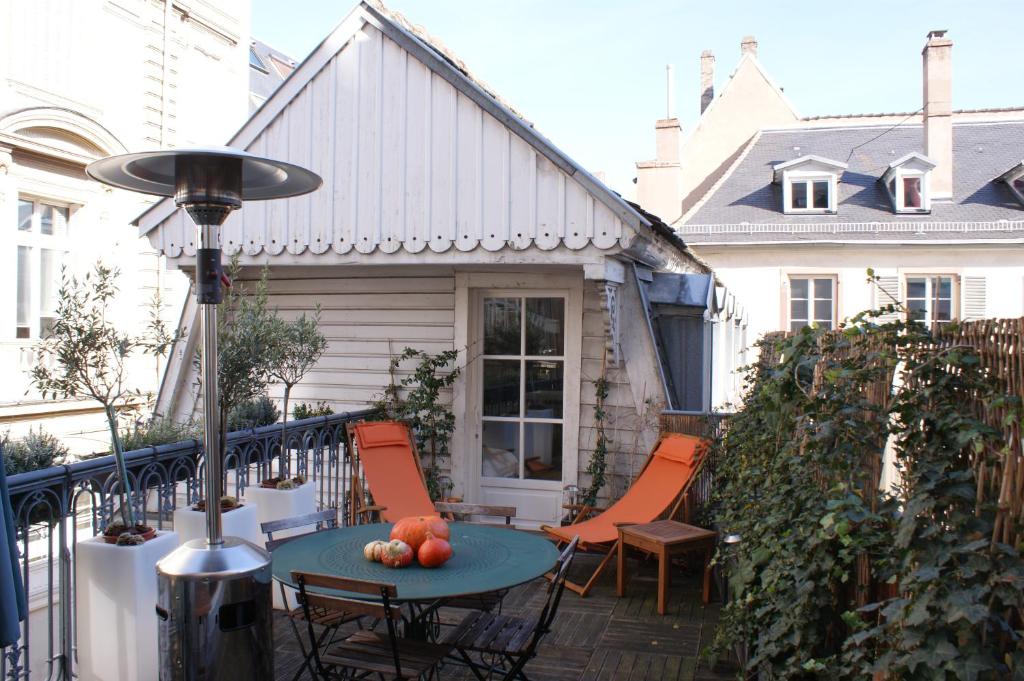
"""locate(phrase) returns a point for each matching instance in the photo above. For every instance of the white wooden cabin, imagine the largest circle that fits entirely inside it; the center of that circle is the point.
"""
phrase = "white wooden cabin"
(446, 221)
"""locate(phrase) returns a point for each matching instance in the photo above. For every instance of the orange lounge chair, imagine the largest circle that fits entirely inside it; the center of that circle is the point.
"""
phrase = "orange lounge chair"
(385, 457)
(658, 492)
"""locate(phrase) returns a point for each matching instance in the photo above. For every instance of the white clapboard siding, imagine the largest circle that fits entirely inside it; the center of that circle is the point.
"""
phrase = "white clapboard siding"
(408, 162)
(887, 292)
(367, 320)
(974, 298)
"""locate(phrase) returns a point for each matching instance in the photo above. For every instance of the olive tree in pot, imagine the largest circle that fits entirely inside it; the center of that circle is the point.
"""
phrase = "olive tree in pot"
(297, 347)
(245, 345)
(86, 355)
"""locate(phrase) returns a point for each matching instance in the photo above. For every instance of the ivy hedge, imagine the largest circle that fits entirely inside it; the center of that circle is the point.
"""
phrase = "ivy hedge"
(835, 578)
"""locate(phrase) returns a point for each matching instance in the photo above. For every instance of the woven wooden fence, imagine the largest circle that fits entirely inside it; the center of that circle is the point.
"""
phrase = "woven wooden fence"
(999, 343)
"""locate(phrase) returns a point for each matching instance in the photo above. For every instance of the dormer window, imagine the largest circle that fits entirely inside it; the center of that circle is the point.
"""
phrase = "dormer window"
(906, 181)
(810, 184)
(1014, 179)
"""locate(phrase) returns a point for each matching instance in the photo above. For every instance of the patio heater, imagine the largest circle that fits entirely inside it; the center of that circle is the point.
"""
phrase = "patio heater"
(215, 595)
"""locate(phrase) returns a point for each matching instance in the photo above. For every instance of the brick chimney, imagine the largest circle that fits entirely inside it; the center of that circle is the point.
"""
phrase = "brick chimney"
(707, 79)
(938, 112)
(748, 46)
(659, 182)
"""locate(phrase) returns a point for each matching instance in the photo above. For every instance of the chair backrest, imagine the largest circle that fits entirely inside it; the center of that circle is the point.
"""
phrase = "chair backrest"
(555, 588)
(658, 492)
(383, 610)
(325, 519)
(383, 453)
(461, 512)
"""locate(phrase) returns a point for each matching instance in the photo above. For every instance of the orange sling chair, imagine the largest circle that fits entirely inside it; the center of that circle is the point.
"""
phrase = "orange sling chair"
(385, 457)
(389, 462)
(658, 492)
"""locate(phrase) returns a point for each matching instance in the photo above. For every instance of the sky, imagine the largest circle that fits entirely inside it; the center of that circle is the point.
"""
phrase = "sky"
(590, 74)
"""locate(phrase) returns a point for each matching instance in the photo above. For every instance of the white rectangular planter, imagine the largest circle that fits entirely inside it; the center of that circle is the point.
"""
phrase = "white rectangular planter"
(277, 504)
(116, 601)
(239, 522)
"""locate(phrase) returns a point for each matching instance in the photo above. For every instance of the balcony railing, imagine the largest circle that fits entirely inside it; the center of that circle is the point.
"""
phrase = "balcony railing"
(55, 507)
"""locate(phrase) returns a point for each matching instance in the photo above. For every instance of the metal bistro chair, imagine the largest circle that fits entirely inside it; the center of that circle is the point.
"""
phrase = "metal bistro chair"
(329, 621)
(513, 640)
(365, 652)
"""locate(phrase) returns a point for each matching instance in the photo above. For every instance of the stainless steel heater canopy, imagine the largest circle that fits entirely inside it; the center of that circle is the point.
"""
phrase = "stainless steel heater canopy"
(215, 596)
(155, 172)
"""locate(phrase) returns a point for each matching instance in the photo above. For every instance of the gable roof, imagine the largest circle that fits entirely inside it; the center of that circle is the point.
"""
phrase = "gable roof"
(589, 211)
(812, 160)
(747, 61)
(268, 68)
(746, 206)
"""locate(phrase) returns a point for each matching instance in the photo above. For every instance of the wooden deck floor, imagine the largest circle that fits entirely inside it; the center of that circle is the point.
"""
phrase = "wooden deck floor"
(601, 637)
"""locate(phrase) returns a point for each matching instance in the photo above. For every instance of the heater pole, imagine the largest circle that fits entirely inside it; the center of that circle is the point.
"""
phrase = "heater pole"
(211, 400)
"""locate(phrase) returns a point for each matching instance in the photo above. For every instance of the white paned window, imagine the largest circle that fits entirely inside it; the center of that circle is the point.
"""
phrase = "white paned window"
(523, 387)
(809, 194)
(930, 298)
(906, 181)
(1016, 184)
(41, 239)
(812, 301)
(908, 191)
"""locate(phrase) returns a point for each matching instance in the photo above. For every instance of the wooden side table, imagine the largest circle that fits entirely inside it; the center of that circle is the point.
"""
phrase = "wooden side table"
(665, 538)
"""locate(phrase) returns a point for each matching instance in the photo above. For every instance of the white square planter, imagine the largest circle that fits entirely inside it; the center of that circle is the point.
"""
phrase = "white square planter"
(277, 504)
(239, 522)
(116, 601)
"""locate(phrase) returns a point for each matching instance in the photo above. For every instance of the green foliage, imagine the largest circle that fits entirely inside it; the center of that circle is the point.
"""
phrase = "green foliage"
(302, 410)
(598, 460)
(32, 452)
(794, 484)
(261, 411)
(417, 399)
(157, 431)
(296, 348)
(246, 341)
(86, 355)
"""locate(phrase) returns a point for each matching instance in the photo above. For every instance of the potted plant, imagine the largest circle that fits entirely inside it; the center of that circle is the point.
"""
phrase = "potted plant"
(296, 348)
(283, 484)
(246, 333)
(85, 355)
(227, 503)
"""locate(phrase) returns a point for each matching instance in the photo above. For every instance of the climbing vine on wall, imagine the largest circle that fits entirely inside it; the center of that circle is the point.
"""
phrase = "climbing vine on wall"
(417, 398)
(599, 459)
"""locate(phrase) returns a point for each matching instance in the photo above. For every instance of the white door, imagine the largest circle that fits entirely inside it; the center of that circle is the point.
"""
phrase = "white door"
(524, 385)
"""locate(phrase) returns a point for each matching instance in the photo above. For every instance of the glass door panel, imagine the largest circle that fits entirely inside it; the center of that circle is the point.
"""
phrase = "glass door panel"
(523, 387)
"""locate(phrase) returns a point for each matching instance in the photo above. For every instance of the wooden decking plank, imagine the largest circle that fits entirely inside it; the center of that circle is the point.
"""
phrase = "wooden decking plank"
(597, 638)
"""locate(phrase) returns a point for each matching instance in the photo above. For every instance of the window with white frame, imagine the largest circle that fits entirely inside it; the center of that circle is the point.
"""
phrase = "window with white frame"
(812, 301)
(906, 180)
(41, 240)
(930, 298)
(1015, 181)
(810, 184)
(813, 194)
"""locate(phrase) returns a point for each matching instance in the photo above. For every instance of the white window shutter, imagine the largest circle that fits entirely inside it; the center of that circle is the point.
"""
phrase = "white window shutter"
(887, 292)
(974, 291)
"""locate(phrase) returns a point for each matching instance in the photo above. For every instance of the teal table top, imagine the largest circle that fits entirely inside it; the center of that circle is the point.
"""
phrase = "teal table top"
(483, 559)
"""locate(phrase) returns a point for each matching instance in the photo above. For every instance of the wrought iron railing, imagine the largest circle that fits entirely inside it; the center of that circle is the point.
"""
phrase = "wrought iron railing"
(55, 507)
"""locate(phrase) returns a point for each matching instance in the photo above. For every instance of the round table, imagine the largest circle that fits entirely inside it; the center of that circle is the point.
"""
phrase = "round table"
(484, 559)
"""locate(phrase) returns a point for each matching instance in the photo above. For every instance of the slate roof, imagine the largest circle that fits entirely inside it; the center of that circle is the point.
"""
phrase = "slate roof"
(266, 72)
(747, 206)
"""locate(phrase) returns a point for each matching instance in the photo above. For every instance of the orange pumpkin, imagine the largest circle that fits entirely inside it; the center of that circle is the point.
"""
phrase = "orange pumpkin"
(434, 552)
(413, 530)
